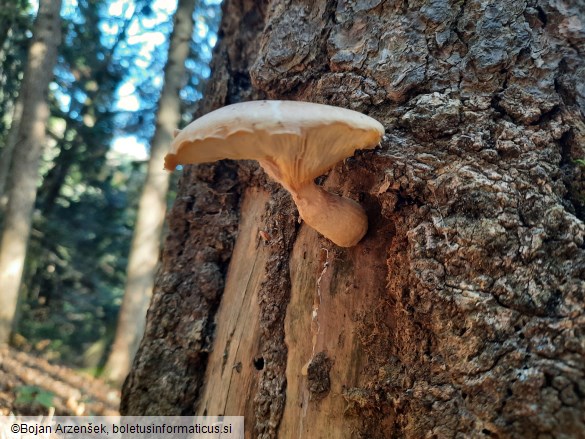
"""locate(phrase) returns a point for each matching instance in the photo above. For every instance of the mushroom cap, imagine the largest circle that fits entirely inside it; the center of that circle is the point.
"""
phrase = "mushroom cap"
(294, 141)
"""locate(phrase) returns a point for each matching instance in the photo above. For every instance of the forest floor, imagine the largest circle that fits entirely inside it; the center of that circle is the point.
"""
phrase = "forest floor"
(32, 386)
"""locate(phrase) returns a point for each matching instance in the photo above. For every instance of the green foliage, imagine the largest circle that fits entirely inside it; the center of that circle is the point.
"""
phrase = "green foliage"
(32, 395)
(15, 26)
(76, 280)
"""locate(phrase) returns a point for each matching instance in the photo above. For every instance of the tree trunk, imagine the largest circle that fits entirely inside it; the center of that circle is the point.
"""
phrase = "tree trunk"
(145, 249)
(22, 187)
(460, 314)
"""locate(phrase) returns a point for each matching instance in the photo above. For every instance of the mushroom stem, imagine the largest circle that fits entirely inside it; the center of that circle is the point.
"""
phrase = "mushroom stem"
(339, 219)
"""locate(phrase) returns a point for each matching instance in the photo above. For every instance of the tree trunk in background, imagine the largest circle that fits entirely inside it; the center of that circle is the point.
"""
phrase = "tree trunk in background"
(145, 249)
(461, 312)
(22, 185)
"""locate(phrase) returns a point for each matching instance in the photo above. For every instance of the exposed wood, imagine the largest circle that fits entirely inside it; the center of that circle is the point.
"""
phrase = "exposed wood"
(332, 293)
(234, 362)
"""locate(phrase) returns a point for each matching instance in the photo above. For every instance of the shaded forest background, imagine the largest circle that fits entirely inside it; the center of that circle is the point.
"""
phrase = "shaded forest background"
(110, 53)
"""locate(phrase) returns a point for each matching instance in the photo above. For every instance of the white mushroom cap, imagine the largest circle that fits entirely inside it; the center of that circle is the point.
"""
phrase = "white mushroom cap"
(295, 142)
(286, 133)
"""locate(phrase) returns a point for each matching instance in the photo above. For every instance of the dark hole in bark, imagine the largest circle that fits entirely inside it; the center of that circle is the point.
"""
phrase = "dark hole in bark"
(259, 363)
(542, 15)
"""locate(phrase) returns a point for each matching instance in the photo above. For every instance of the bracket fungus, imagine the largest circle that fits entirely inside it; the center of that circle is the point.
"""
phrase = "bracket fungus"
(294, 142)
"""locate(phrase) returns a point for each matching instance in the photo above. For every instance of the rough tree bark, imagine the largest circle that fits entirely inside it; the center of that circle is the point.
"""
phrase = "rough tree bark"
(461, 312)
(145, 249)
(24, 174)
